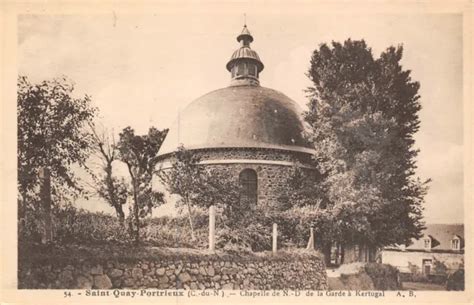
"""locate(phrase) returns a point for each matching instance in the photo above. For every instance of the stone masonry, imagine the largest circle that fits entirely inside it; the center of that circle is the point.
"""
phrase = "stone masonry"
(266, 273)
(272, 178)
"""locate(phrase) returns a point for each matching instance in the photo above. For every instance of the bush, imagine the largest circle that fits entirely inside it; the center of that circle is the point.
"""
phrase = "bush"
(358, 281)
(455, 281)
(253, 232)
(29, 227)
(439, 267)
(73, 225)
(384, 276)
(175, 232)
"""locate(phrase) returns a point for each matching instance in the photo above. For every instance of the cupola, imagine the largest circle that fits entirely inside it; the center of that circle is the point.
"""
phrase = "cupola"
(244, 64)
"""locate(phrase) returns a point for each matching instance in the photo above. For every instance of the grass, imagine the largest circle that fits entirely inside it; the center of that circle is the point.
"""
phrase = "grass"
(422, 286)
(109, 252)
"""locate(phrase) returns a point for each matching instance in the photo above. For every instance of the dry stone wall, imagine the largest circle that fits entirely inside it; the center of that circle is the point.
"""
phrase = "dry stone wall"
(210, 272)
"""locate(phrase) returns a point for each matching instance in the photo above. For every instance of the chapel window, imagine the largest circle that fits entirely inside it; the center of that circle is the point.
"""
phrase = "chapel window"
(240, 69)
(253, 70)
(248, 183)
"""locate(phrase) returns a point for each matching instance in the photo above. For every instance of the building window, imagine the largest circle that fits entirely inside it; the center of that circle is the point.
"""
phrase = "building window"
(426, 263)
(427, 243)
(455, 244)
(248, 183)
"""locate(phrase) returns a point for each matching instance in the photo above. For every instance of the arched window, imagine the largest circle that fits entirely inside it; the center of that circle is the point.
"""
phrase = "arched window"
(248, 182)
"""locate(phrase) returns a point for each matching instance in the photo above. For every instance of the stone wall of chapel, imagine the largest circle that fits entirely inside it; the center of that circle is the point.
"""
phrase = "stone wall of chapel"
(271, 178)
(253, 154)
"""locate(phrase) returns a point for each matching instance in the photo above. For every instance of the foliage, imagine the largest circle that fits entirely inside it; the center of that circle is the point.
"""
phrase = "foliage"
(439, 267)
(198, 186)
(82, 227)
(122, 253)
(384, 276)
(174, 232)
(357, 281)
(303, 189)
(29, 225)
(79, 227)
(51, 133)
(112, 189)
(140, 153)
(456, 280)
(363, 114)
(252, 232)
(76, 226)
(414, 269)
(415, 274)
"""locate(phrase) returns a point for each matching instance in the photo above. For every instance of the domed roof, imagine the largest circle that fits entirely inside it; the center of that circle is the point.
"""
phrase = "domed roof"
(239, 116)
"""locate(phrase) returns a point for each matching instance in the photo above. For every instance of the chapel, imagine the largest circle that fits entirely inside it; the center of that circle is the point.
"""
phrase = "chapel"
(250, 131)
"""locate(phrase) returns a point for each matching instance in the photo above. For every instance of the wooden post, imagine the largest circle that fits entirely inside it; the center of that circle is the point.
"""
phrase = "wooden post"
(47, 234)
(212, 228)
(310, 245)
(275, 238)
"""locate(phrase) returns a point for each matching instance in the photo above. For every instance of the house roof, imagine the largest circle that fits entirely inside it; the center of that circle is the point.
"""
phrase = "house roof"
(440, 235)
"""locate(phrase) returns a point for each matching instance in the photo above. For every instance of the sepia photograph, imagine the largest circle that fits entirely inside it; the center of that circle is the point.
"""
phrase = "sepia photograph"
(239, 151)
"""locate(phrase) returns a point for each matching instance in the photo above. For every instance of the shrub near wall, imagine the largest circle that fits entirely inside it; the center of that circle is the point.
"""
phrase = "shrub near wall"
(384, 277)
(179, 269)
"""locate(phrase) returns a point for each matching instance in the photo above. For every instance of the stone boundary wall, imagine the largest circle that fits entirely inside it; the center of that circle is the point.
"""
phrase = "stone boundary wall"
(210, 272)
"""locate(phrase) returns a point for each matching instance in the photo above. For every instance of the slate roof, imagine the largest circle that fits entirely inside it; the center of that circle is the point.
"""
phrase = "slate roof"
(239, 116)
(441, 236)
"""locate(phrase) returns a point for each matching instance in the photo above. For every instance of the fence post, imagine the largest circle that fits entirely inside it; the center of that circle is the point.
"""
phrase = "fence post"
(275, 238)
(310, 245)
(45, 178)
(212, 228)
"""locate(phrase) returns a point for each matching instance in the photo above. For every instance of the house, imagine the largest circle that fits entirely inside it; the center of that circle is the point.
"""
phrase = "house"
(440, 248)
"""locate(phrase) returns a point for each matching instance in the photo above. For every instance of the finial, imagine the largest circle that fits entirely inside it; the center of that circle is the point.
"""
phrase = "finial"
(245, 20)
(245, 36)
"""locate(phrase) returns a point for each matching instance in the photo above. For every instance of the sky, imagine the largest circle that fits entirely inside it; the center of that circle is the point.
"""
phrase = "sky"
(141, 69)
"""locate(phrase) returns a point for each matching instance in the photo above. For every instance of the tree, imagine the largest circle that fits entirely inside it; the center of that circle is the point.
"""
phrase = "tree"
(303, 189)
(200, 186)
(140, 153)
(113, 190)
(363, 114)
(52, 133)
